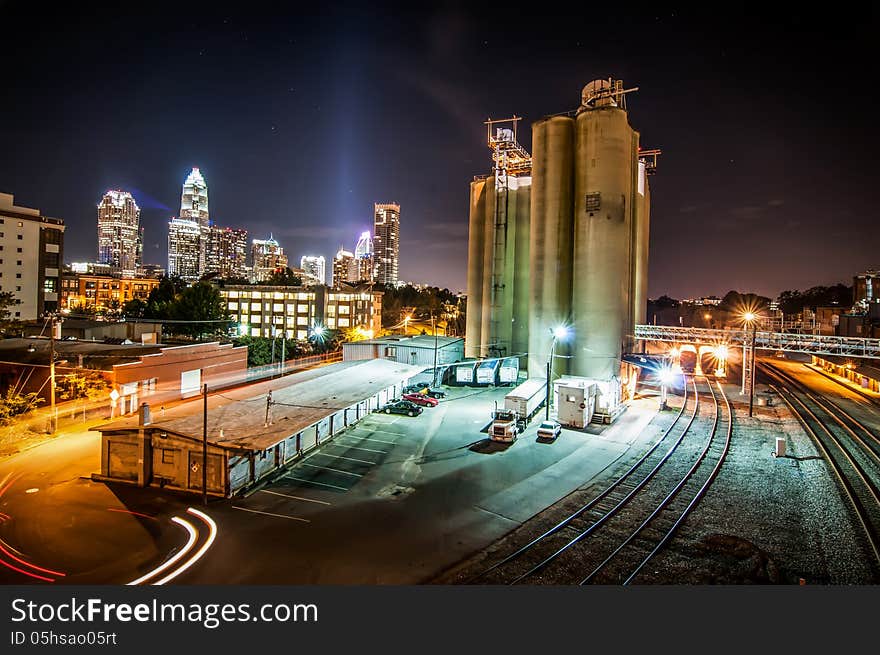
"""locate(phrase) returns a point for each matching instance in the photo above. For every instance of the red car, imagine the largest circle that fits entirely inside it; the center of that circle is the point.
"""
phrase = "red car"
(421, 399)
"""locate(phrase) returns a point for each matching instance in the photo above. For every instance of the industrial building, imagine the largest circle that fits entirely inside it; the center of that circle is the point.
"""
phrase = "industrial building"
(419, 350)
(251, 432)
(560, 238)
(31, 253)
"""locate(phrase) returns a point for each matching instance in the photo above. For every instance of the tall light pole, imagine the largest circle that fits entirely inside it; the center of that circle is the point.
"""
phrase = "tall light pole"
(54, 417)
(751, 320)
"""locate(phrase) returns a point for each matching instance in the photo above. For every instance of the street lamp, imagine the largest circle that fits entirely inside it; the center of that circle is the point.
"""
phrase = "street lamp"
(666, 376)
(751, 320)
(560, 332)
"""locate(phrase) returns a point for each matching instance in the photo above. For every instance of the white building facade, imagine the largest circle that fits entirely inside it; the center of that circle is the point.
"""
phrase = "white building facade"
(120, 239)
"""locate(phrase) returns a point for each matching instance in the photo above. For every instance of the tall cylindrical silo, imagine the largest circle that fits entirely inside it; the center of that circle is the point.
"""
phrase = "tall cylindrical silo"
(520, 317)
(490, 196)
(643, 231)
(476, 229)
(550, 250)
(604, 214)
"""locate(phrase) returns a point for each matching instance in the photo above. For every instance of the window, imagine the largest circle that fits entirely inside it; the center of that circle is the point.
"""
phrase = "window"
(1, 234)
(19, 237)
(17, 314)
(167, 456)
(343, 322)
(391, 351)
(18, 262)
(20, 224)
(18, 249)
(593, 201)
(18, 275)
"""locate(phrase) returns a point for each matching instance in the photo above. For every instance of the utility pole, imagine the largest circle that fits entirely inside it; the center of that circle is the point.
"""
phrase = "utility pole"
(205, 445)
(53, 419)
(283, 346)
(434, 328)
(752, 372)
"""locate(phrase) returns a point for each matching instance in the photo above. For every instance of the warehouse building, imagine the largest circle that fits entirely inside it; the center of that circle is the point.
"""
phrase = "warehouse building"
(251, 432)
(418, 350)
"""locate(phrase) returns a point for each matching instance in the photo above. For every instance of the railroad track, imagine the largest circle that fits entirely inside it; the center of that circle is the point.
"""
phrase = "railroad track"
(850, 448)
(653, 487)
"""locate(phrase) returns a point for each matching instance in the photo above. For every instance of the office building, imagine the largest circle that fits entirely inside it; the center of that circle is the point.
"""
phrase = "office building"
(194, 207)
(264, 311)
(344, 267)
(313, 267)
(120, 238)
(365, 262)
(267, 256)
(184, 239)
(386, 242)
(226, 253)
(31, 252)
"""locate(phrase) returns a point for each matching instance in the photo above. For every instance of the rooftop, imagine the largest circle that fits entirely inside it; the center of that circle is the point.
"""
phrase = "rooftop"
(418, 341)
(300, 400)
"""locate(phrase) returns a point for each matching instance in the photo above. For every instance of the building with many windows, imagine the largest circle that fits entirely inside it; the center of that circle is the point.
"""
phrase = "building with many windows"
(184, 239)
(365, 262)
(386, 242)
(194, 207)
(31, 252)
(267, 311)
(120, 236)
(84, 292)
(226, 254)
(267, 256)
(344, 268)
(314, 268)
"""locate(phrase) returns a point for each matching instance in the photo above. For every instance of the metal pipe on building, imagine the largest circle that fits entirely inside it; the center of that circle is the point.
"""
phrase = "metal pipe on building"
(490, 197)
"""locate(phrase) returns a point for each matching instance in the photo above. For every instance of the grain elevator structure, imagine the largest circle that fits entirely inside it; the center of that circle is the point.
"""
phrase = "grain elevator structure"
(560, 238)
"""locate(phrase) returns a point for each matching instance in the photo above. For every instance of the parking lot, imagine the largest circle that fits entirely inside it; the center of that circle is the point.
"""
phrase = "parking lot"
(395, 499)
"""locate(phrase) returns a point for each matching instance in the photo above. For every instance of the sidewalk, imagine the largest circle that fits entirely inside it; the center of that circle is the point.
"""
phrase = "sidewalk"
(844, 382)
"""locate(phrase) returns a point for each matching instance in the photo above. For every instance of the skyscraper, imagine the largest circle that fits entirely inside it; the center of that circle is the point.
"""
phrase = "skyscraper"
(266, 257)
(184, 242)
(226, 252)
(344, 267)
(386, 242)
(314, 267)
(120, 239)
(194, 207)
(365, 268)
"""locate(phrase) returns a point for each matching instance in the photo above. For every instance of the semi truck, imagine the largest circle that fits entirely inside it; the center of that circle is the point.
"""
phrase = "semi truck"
(520, 406)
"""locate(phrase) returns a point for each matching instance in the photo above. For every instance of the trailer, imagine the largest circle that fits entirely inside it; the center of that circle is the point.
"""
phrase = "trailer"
(527, 397)
(464, 373)
(509, 371)
(487, 372)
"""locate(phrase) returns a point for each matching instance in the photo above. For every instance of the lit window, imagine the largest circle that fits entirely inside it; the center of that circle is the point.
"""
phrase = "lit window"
(302, 320)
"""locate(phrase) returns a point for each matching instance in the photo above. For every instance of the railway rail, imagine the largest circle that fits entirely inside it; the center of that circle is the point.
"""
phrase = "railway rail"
(851, 449)
(652, 486)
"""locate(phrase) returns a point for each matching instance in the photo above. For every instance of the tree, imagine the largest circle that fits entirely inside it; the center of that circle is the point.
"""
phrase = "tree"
(14, 404)
(665, 302)
(283, 278)
(84, 384)
(7, 324)
(200, 302)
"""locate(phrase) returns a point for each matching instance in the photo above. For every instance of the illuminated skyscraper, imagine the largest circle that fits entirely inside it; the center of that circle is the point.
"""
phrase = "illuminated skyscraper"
(267, 257)
(344, 267)
(194, 207)
(120, 237)
(386, 242)
(314, 267)
(184, 241)
(226, 252)
(365, 262)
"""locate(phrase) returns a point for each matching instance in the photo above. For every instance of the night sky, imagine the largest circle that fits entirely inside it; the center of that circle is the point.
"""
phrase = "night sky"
(300, 122)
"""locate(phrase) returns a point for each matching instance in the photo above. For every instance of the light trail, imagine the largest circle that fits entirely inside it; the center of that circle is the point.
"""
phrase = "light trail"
(212, 535)
(193, 536)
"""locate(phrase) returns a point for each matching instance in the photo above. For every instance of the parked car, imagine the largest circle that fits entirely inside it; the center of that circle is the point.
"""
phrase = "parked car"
(435, 393)
(402, 407)
(421, 399)
(549, 429)
(416, 388)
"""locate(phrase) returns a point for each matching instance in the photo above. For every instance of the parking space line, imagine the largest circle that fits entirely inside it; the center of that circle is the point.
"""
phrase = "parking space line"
(396, 434)
(351, 459)
(369, 450)
(323, 484)
(280, 516)
(327, 468)
(308, 500)
(391, 443)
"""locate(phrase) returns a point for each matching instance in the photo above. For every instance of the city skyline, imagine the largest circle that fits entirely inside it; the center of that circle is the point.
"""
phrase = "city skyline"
(743, 150)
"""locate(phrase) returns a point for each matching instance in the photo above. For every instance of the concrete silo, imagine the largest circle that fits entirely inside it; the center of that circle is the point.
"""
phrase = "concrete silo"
(550, 254)
(605, 229)
(643, 232)
(475, 270)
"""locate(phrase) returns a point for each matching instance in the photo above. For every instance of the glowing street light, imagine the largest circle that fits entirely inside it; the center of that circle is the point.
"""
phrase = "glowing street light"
(560, 332)
(666, 376)
(751, 320)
